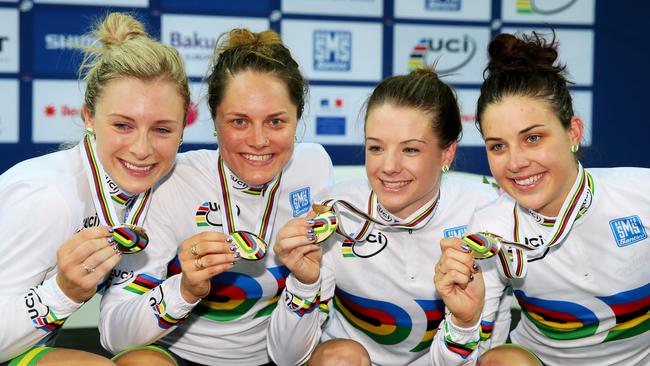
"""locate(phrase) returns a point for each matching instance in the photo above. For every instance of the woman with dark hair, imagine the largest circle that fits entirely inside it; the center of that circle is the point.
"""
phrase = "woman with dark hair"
(190, 292)
(373, 281)
(583, 284)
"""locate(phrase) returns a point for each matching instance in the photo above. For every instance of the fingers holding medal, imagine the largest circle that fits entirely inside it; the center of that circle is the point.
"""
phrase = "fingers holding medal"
(296, 248)
(84, 260)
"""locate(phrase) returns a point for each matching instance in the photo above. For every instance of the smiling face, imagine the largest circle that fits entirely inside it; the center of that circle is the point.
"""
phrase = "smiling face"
(403, 158)
(138, 125)
(256, 124)
(529, 152)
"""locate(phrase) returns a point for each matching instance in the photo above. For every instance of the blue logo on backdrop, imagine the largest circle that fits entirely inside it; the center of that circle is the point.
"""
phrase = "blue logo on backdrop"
(330, 125)
(332, 50)
(453, 5)
(628, 230)
(300, 201)
(455, 232)
(58, 36)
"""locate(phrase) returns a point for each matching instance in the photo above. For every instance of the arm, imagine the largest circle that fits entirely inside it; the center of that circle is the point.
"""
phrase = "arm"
(295, 326)
(142, 305)
(459, 281)
(34, 244)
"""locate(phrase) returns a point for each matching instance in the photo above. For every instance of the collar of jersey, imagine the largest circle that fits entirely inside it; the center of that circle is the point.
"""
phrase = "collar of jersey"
(416, 220)
(248, 191)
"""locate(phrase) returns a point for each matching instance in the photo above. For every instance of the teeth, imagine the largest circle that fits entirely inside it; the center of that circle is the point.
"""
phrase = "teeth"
(257, 157)
(395, 184)
(528, 181)
(138, 168)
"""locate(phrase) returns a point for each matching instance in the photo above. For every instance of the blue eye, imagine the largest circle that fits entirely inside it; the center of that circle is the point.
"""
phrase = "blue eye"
(534, 138)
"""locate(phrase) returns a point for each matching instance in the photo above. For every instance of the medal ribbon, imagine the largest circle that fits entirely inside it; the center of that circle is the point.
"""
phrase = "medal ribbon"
(228, 214)
(101, 196)
(514, 262)
(417, 220)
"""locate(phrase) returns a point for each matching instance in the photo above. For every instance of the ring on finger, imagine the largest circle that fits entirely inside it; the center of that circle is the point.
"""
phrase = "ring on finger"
(198, 263)
(88, 268)
(193, 250)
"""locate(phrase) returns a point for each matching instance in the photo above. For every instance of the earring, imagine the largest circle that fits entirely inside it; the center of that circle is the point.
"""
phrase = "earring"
(214, 133)
(445, 168)
(575, 148)
(180, 142)
(295, 138)
(89, 131)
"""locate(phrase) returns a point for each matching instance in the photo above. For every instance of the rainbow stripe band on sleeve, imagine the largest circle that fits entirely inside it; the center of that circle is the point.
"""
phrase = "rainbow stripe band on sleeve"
(302, 306)
(463, 350)
(486, 330)
(142, 284)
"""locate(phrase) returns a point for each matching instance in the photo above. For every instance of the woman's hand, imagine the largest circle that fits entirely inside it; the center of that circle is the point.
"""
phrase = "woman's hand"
(295, 248)
(459, 281)
(202, 257)
(84, 261)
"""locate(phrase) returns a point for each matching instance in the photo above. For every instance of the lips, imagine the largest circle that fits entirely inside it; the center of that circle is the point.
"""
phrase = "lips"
(395, 185)
(527, 182)
(256, 157)
(137, 169)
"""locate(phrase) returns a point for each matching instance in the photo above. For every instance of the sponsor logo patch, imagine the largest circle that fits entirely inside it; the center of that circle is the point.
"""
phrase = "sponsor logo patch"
(628, 230)
(300, 201)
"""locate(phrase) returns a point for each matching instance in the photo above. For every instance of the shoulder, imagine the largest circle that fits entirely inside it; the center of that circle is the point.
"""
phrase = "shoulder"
(495, 214)
(310, 165)
(622, 177)
(354, 191)
(310, 156)
(61, 171)
(467, 187)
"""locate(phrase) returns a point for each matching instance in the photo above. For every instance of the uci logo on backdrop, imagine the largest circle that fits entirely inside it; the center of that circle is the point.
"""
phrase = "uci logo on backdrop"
(332, 50)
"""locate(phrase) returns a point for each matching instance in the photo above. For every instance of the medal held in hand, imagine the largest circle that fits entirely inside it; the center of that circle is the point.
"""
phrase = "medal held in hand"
(128, 236)
(325, 225)
(130, 239)
(250, 246)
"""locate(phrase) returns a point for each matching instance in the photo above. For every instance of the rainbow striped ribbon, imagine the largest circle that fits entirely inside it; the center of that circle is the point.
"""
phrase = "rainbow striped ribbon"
(514, 261)
(227, 202)
(416, 221)
(102, 197)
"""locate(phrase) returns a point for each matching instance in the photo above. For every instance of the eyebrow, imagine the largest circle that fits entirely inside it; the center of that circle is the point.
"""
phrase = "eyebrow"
(401, 142)
(132, 120)
(525, 130)
(242, 114)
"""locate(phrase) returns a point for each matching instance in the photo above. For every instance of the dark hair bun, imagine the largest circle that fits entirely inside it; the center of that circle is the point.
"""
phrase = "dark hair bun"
(527, 53)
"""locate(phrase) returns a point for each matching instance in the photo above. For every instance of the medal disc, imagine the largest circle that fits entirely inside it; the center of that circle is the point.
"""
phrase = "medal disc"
(130, 239)
(250, 246)
(482, 245)
(325, 225)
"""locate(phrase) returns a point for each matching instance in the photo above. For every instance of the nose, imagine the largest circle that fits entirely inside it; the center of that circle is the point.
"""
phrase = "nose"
(391, 163)
(517, 159)
(141, 146)
(258, 137)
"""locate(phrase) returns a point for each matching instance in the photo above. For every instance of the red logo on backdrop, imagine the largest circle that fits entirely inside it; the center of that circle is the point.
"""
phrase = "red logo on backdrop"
(64, 110)
(192, 114)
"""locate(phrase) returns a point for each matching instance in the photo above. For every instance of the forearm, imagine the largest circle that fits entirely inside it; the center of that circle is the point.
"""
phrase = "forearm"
(141, 312)
(31, 317)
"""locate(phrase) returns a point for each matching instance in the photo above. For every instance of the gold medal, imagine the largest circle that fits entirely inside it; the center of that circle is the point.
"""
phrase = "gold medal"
(130, 239)
(325, 225)
(484, 245)
(249, 246)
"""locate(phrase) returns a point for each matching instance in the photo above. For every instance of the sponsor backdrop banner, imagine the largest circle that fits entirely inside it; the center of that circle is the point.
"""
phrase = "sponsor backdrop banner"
(9, 111)
(344, 47)
(9, 40)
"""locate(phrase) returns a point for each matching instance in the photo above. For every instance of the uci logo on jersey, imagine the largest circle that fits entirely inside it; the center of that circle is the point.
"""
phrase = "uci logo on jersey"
(628, 230)
(300, 201)
(455, 232)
